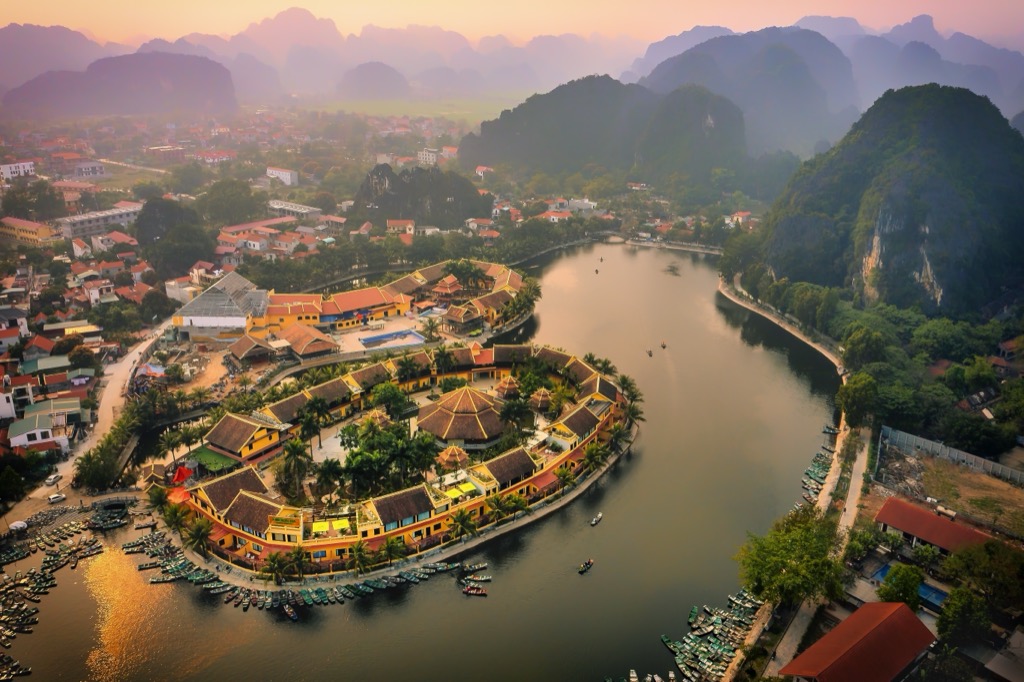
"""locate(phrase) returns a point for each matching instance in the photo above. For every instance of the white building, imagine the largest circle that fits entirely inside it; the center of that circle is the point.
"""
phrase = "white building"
(288, 177)
(89, 169)
(35, 430)
(97, 222)
(427, 156)
(289, 208)
(18, 169)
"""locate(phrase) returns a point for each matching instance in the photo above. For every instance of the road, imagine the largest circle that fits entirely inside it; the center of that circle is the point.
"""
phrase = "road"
(134, 166)
(115, 378)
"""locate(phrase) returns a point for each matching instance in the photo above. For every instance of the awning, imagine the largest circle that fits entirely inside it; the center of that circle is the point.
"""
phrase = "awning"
(218, 532)
(340, 524)
(467, 487)
(320, 526)
(545, 479)
(453, 493)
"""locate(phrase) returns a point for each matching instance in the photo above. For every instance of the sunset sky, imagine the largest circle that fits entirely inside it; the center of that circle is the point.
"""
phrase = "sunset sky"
(647, 20)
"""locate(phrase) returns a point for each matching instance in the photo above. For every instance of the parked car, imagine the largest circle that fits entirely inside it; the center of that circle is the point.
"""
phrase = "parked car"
(55, 498)
(53, 478)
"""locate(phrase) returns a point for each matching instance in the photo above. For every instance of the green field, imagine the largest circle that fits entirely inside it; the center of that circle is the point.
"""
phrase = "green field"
(121, 178)
(471, 111)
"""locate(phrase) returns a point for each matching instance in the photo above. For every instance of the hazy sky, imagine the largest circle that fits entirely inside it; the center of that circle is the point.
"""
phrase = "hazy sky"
(648, 20)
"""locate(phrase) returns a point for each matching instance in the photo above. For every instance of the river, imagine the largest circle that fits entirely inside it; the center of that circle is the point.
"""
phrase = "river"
(734, 410)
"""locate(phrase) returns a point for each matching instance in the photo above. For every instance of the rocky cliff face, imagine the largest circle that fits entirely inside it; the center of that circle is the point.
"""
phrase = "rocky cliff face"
(915, 206)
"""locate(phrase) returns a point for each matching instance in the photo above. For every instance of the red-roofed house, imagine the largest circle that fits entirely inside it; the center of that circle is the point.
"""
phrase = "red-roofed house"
(555, 216)
(921, 525)
(879, 642)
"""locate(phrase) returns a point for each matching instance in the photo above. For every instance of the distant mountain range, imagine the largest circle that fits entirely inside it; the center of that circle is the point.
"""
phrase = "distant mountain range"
(142, 83)
(799, 87)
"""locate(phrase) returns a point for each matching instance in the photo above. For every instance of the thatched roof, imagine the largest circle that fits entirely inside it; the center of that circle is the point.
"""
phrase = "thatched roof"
(465, 414)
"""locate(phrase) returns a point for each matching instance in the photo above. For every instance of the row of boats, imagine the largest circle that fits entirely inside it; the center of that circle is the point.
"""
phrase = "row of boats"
(174, 567)
(715, 635)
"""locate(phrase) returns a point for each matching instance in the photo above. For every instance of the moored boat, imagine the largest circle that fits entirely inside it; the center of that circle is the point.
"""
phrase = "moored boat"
(474, 591)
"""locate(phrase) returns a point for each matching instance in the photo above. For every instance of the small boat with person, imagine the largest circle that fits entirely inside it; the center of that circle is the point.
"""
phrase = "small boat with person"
(474, 591)
(290, 612)
(597, 519)
(585, 566)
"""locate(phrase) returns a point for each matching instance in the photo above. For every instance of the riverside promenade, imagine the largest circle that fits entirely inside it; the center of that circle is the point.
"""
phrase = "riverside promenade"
(785, 650)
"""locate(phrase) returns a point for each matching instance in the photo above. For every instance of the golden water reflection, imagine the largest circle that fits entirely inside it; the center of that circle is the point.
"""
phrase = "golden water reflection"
(132, 632)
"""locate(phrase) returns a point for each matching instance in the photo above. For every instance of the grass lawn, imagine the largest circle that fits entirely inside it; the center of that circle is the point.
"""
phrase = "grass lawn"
(121, 178)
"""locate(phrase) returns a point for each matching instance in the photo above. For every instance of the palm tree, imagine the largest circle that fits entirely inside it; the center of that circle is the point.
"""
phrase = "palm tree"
(634, 413)
(497, 507)
(157, 497)
(308, 428)
(566, 478)
(190, 435)
(461, 523)
(393, 548)
(617, 435)
(360, 558)
(431, 330)
(444, 361)
(244, 382)
(200, 395)
(605, 366)
(176, 516)
(275, 566)
(319, 408)
(629, 389)
(530, 291)
(169, 442)
(406, 369)
(297, 560)
(594, 455)
(517, 503)
(197, 534)
(562, 394)
(329, 474)
(297, 461)
(515, 412)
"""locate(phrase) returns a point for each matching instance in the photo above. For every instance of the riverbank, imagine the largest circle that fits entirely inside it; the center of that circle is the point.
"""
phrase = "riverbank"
(786, 648)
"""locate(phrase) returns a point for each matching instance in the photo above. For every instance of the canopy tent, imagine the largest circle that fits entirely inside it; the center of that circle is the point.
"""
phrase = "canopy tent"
(19, 525)
(181, 475)
(453, 493)
(467, 487)
(320, 526)
(340, 524)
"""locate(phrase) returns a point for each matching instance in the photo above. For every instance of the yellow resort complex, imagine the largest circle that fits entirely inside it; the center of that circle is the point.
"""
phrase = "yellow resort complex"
(250, 521)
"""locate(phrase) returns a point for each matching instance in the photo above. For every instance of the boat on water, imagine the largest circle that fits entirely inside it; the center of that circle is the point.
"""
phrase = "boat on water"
(585, 566)
(290, 612)
(828, 428)
(650, 353)
(633, 677)
(473, 568)
(479, 578)
(664, 345)
(597, 519)
(474, 591)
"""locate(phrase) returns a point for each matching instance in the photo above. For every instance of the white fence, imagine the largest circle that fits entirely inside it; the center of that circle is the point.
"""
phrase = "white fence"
(910, 443)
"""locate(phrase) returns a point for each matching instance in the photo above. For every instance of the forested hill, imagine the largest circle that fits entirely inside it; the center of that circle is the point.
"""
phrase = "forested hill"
(598, 120)
(429, 196)
(919, 204)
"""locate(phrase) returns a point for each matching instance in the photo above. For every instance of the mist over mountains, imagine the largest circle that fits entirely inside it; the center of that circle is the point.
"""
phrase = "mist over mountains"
(799, 88)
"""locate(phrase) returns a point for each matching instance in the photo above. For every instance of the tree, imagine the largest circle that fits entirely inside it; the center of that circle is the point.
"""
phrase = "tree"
(329, 474)
(391, 398)
(188, 178)
(497, 507)
(228, 202)
(964, 618)
(159, 216)
(444, 361)
(461, 523)
(633, 414)
(566, 477)
(12, 485)
(81, 357)
(516, 503)
(296, 461)
(198, 534)
(617, 435)
(176, 516)
(431, 330)
(902, 584)
(157, 497)
(594, 455)
(794, 560)
(856, 398)
(994, 569)
(325, 201)
(168, 442)
(275, 566)
(359, 557)
(406, 368)
(945, 666)
(392, 548)
(925, 555)
(297, 560)
(863, 346)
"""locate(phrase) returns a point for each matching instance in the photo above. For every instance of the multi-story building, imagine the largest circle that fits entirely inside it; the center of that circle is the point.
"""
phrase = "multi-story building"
(26, 232)
(89, 169)
(97, 222)
(288, 177)
(18, 169)
(428, 156)
(288, 208)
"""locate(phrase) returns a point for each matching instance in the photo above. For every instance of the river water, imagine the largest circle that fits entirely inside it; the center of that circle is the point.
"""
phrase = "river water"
(734, 410)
